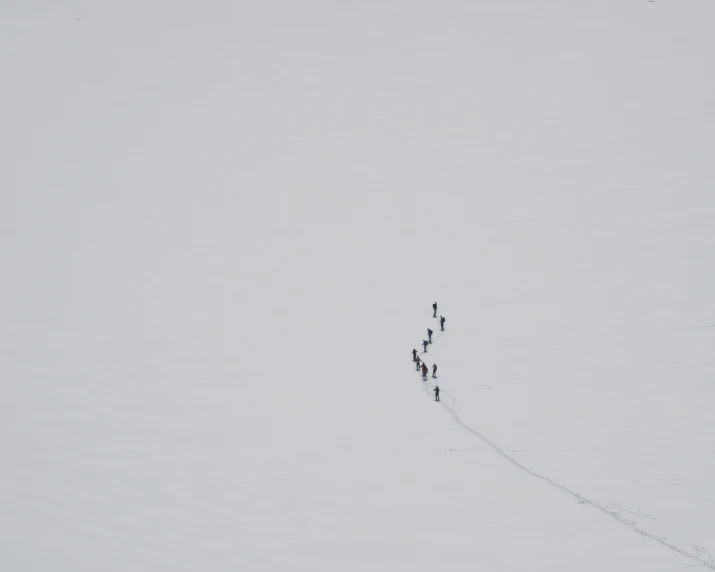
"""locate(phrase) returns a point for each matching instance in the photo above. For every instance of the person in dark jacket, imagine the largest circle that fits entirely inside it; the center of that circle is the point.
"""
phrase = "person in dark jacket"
(429, 335)
(434, 307)
(417, 364)
(424, 344)
(434, 370)
(414, 355)
(424, 371)
(441, 323)
(436, 392)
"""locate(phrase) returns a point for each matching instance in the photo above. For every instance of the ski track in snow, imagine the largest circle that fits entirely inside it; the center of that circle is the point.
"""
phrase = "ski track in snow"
(427, 387)
(580, 498)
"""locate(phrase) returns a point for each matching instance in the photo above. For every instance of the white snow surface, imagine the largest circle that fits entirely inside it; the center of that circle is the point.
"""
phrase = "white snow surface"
(223, 225)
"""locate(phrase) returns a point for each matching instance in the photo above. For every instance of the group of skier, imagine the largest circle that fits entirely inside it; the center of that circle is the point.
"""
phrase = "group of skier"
(420, 365)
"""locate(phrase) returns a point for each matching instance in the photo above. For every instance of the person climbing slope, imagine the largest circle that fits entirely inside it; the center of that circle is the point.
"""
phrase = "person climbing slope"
(441, 323)
(436, 392)
(414, 355)
(417, 364)
(434, 370)
(424, 344)
(429, 335)
(434, 307)
(424, 371)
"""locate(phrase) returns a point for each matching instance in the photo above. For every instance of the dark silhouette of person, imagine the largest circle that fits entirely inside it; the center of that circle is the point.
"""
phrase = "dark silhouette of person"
(429, 335)
(436, 392)
(414, 355)
(417, 364)
(434, 370)
(434, 307)
(424, 371)
(441, 323)
(424, 344)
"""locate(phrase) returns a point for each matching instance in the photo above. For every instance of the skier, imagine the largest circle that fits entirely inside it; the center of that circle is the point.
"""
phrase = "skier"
(429, 335)
(424, 344)
(441, 323)
(414, 355)
(434, 370)
(436, 392)
(424, 371)
(417, 364)
(434, 307)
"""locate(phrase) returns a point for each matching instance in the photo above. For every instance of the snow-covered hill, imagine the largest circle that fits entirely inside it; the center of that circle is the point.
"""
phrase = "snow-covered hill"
(223, 226)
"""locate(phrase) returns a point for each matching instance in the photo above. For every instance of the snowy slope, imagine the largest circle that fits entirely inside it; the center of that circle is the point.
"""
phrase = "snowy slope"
(223, 226)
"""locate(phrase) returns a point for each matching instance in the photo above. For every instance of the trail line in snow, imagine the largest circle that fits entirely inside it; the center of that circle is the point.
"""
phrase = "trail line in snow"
(615, 516)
